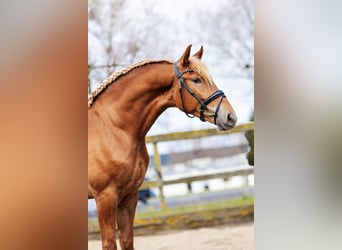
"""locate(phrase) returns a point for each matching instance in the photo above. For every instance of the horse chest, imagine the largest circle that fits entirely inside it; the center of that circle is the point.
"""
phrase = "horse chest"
(125, 169)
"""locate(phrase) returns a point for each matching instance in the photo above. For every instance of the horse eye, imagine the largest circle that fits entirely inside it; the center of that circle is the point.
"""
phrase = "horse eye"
(197, 80)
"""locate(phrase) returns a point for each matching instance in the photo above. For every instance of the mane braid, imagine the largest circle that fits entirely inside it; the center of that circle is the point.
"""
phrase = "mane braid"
(116, 75)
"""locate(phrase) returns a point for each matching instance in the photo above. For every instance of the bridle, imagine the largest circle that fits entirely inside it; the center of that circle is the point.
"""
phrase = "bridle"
(212, 97)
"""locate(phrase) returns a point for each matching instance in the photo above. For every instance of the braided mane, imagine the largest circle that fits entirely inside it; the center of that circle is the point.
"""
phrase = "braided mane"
(116, 75)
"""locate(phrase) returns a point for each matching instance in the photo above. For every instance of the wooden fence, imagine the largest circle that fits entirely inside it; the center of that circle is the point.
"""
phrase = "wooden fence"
(160, 182)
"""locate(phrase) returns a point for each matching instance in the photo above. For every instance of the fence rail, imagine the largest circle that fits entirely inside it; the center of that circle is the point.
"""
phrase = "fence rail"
(160, 182)
(240, 171)
(194, 134)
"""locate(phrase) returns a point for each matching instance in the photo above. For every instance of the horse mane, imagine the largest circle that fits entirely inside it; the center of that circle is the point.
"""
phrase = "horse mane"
(196, 64)
(116, 75)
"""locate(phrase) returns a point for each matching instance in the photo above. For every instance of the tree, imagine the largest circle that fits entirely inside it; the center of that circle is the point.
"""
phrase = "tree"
(103, 21)
(230, 28)
(115, 39)
(250, 138)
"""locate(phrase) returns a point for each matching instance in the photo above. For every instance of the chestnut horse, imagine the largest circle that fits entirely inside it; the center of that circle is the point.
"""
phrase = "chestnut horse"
(120, 113)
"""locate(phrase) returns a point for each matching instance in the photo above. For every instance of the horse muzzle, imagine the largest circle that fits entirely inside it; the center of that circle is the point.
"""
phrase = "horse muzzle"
(225, 121)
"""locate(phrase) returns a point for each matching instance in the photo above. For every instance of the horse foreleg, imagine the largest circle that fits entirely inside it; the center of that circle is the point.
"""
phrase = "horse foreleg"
(126, 211)
(106, 204)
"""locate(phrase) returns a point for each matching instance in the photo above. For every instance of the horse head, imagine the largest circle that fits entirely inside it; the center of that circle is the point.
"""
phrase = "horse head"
(197, 95)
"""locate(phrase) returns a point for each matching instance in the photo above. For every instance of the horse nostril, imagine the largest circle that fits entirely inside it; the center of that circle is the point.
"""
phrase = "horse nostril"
(231, 119)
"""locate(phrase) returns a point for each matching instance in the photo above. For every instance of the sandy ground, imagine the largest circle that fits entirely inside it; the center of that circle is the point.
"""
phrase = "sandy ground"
(229, 237)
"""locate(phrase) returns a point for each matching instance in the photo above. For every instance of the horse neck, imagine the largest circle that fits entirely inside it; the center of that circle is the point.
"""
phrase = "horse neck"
(135, 101)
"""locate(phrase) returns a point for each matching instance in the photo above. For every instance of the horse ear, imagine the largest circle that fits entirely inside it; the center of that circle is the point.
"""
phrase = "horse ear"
(199, 53)
(184, 60)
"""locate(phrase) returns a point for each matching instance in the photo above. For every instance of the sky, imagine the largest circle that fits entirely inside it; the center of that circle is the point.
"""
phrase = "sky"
(180, 15)
(239, 90)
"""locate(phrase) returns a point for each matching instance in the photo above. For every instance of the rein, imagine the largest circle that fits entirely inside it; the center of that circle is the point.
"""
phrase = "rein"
(204, 104)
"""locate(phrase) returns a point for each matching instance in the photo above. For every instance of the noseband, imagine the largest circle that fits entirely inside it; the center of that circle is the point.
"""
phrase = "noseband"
(212, 97)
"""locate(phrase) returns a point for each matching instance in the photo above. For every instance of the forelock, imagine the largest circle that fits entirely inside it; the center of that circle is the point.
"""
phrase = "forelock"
(199, 67)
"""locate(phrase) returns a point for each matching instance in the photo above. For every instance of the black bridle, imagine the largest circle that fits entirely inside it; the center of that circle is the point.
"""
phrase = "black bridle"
(212, 97)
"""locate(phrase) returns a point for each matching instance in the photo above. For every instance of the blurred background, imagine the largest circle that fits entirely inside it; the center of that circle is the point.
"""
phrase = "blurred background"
(45, 69)
(123, 32)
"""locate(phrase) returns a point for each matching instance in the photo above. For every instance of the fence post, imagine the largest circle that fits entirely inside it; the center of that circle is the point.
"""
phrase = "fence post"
(157, 164)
